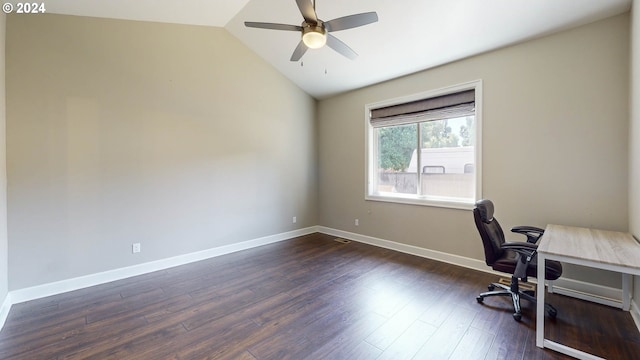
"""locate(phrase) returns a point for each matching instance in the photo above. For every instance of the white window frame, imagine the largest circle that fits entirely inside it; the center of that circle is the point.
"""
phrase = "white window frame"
(371, 168)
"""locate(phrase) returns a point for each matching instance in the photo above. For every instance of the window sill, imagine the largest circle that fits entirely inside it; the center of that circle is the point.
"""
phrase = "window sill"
(411, 200)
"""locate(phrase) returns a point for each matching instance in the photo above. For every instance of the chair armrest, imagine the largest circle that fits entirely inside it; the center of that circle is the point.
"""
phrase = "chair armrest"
(532, 233)
(526, 252)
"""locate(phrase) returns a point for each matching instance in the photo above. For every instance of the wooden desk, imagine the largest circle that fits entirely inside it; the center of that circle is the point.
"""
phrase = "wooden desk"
(608, 250)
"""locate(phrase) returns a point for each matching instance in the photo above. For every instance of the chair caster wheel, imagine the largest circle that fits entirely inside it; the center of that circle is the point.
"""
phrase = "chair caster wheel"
(480, 299)
(517, 316)
(491, 287)
(552, 313)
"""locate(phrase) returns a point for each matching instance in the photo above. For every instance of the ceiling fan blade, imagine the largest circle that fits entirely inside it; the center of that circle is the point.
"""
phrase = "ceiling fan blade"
(272, 26)
(299, 51)
(351, 21)
(307, 10)
(342, 48)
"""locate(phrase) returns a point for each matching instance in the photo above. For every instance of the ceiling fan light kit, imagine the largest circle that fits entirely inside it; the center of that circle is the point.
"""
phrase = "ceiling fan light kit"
(315, 32)
(314, 36)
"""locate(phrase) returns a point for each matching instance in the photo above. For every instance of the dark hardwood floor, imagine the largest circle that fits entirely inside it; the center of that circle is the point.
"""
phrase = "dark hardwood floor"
(306, 298)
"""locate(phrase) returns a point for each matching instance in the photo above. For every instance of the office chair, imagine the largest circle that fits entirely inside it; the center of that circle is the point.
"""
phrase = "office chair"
(515, 258)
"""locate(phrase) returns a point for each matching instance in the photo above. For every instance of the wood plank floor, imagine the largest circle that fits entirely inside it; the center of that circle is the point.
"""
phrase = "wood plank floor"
(307, 298)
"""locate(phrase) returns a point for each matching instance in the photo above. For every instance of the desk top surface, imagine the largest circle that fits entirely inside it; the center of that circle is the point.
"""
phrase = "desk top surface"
(600, 246)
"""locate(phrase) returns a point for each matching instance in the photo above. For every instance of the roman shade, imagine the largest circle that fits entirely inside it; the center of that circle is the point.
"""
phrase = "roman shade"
(448, 106)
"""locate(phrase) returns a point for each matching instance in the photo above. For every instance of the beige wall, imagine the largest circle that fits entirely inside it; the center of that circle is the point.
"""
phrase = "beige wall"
(634, 135)
(4, 257)
(174, 136)
(554, 143)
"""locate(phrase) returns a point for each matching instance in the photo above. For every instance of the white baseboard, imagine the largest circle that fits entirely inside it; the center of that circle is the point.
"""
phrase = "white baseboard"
(58, 287)
(586, 291)
(409, 249)
(600, 294)
(4, 309)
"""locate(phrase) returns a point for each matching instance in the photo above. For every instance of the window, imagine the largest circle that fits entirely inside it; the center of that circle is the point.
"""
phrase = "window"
(425, 149)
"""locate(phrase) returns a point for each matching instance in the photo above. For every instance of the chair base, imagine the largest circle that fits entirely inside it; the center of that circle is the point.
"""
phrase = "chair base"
(516, 294)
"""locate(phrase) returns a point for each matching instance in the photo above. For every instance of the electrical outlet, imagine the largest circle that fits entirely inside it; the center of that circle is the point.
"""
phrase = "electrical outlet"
(135, 248)
(295, 220)
(357, 222)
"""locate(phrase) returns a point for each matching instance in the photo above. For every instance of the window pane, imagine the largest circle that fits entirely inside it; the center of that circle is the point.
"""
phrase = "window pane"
(447, 159)
(396, 145)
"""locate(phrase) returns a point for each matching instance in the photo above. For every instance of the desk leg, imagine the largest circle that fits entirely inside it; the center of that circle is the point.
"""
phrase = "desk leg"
(540, 303)
(626, 291)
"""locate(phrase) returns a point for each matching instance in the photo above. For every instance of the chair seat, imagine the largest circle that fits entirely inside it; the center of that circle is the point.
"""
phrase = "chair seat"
(508, 261)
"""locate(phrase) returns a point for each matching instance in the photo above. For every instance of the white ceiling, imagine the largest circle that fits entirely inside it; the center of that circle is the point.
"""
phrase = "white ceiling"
(411, 35)
(195, 12)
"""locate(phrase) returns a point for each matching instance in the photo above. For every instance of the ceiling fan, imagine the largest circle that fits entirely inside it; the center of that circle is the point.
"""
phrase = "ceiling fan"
(315, 32)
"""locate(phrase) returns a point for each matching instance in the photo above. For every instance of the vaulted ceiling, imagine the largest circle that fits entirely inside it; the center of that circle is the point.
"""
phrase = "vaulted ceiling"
(411, 35)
